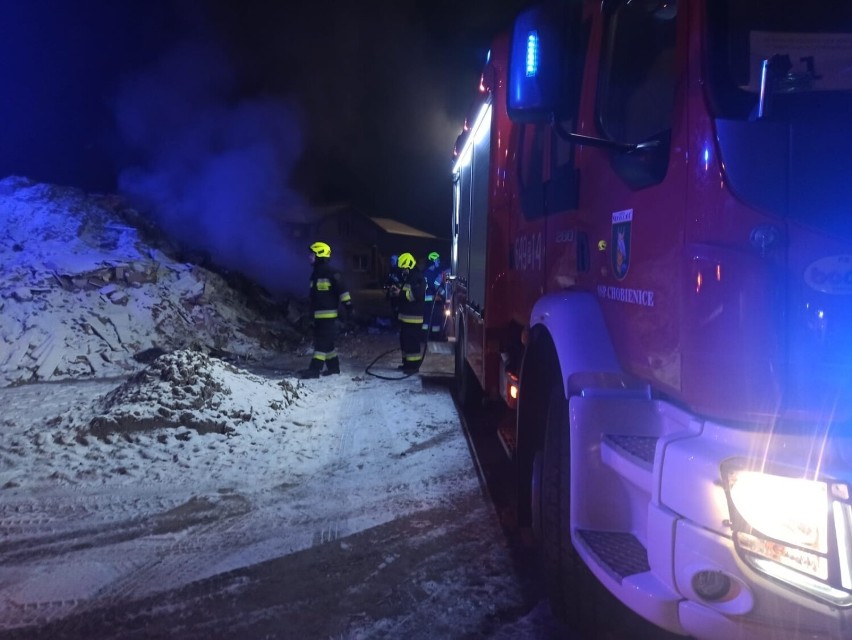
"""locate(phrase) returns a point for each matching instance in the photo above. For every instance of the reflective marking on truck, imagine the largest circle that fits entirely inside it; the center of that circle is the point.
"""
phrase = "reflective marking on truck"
(642, 297)
(529, 253)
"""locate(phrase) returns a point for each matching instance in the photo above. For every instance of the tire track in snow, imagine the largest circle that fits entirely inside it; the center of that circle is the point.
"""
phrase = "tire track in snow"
(391, 439)
(360, 400)
(336, 527)
(189, 543)
(139, 557)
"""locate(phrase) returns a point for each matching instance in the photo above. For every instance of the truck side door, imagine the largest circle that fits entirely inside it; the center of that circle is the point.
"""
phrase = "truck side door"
(636, 200)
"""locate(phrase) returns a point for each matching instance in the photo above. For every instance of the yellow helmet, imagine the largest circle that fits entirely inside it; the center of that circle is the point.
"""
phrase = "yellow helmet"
(321, 249)
(406, 261)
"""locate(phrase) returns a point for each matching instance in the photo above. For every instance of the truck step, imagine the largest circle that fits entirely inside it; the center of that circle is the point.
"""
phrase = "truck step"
(620, 554)
(640, 449)
(631, 457)
(506, 435)
(620, 561)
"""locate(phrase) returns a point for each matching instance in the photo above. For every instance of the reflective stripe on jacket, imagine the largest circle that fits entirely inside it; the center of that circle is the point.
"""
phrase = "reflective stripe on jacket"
(411, 297)
(328, 290)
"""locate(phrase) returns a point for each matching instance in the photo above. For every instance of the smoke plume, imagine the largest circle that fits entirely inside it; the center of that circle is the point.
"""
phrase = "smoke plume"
(213, 167)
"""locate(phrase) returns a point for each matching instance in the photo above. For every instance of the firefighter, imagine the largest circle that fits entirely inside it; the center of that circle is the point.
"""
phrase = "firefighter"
(410, 296)
(328, 292)
(433, 310)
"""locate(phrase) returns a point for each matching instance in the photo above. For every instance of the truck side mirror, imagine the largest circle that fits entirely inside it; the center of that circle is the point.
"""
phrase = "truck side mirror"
(539, 87)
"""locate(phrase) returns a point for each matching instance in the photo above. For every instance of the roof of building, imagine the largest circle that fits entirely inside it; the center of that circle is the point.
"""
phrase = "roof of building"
(400, 228)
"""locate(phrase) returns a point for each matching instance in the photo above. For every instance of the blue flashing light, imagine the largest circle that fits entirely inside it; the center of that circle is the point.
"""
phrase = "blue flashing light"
(532, 54)
(706, 157)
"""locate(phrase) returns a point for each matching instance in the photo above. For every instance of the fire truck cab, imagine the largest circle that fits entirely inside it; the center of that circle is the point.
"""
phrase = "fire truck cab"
(652, 267)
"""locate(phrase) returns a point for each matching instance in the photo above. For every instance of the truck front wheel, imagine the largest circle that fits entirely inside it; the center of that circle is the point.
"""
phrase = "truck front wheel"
(551, 496)
(567, 579)
(576, 596)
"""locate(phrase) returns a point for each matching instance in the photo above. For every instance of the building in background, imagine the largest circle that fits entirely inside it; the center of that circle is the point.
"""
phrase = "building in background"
(361, 246)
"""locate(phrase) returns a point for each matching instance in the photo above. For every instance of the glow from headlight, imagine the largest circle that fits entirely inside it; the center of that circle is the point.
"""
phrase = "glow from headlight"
(790, 510)
(842, 522)
(808, 584)
(786, 555)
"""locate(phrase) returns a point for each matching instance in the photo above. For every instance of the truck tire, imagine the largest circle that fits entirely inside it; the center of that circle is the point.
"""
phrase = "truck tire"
(571, 598)
(576, 596)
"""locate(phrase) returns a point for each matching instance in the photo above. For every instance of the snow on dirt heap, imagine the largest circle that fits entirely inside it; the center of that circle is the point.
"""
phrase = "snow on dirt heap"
(192, 390)
(82, 291)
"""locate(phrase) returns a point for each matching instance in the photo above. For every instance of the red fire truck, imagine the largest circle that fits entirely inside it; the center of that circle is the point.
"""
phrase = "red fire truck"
(652, 269)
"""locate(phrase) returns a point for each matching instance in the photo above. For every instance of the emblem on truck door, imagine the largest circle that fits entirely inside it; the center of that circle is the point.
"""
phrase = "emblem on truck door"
(620, 246)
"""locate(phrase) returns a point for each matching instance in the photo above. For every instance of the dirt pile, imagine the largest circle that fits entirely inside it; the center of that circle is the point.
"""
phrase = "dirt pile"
(87, 286)
(193, 390)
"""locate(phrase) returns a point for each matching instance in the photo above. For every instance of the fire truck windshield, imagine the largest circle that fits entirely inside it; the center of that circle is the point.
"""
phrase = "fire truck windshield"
(780, 90)
(807, 43)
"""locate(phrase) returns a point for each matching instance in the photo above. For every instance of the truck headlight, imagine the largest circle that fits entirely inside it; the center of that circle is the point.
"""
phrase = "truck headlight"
(790, 510)
(795, 529)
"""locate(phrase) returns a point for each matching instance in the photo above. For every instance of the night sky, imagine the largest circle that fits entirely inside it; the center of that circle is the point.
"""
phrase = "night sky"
(252, 105)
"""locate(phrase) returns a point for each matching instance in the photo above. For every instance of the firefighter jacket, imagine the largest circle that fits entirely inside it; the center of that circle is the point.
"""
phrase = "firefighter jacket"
(434, 278)
(328, 291)
(411, 297)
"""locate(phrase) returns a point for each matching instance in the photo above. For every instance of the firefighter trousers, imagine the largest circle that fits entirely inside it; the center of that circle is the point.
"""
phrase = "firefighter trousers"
(409, 344)
(433, 320)
(325, 332)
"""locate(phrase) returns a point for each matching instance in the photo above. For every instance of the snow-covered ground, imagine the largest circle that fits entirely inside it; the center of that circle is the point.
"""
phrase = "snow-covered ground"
(110, 488)
(153, 437)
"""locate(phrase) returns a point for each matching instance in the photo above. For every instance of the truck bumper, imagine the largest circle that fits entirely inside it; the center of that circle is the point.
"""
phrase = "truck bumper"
(755, 605)
(659, 497)
(755, 609)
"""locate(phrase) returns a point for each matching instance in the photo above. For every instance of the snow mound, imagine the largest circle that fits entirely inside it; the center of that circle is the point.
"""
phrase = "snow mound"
(193, 390)
(87, 285)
